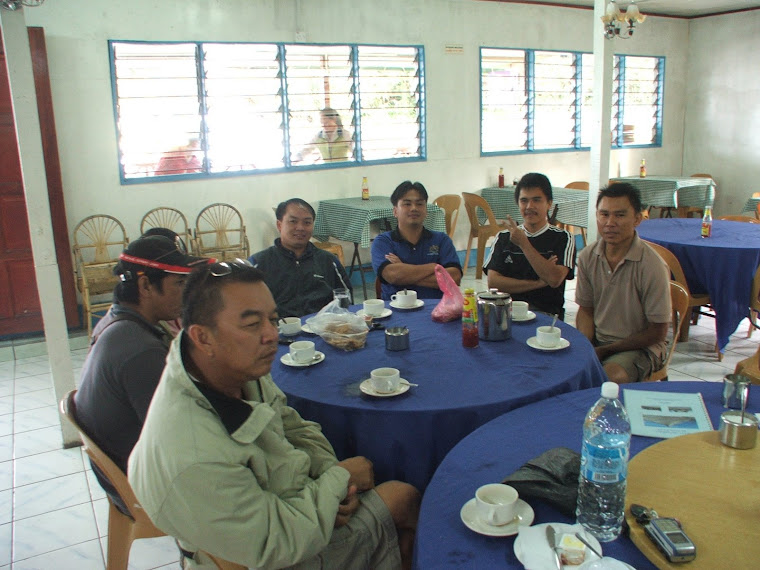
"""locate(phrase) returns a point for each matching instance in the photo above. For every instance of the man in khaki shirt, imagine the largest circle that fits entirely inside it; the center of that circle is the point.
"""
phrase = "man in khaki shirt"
(623, 290)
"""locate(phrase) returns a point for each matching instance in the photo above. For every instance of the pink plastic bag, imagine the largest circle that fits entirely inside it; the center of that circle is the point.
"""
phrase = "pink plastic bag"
(450, 307)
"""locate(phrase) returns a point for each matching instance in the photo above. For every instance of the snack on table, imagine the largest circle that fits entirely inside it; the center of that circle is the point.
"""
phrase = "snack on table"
(344, 336)
(571, 550)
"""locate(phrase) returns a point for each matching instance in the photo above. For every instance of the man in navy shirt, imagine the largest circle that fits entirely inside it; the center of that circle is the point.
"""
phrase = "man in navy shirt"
(405, 258)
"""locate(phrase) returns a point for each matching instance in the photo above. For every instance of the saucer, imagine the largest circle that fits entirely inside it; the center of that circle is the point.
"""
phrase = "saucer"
(307, 329)
(367, 388)
(386, 313)
(472, 521)
(533, 343)
(417, 305)
(289, 334)
(287, 361)
(533, 551)
(530, 315)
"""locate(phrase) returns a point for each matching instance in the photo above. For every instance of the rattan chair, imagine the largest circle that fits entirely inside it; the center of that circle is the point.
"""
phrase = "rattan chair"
(98, 241)
(679, 298)
(695, 301)
(481, 232)
(220, 233)
(450, 204)
(123, 529)
(171, 219)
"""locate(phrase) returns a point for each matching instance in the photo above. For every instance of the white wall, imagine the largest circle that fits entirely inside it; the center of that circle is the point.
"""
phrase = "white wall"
(77, 32)
(723, 115)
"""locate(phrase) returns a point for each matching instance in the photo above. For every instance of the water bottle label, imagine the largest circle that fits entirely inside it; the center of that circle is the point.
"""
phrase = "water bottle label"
(603, 465)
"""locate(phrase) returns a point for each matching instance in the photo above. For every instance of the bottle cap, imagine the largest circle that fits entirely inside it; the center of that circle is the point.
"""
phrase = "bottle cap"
(610, 390)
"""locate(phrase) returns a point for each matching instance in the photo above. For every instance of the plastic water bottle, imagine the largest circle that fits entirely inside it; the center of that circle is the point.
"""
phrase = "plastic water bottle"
(604, 466)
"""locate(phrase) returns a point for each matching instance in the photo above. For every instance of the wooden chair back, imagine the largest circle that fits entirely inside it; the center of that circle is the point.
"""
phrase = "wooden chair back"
(578, 185)
(679, 299)
(746, 219)
(481, 232)
(750, 367)
(703, 176)
(334, 248)
(220, 233)
(450, 204)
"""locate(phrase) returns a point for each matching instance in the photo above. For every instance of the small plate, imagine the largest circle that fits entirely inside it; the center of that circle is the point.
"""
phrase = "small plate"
(532, 548)
(289, 334)
(386, 313)
(417, 305)
(287, 361)
(533, 343)
(528, 317)
(307, 329)
(471, 520)
(367, 388)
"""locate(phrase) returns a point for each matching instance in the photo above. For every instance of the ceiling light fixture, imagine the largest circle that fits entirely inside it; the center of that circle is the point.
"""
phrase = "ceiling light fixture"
(618, 24)
(16, 4)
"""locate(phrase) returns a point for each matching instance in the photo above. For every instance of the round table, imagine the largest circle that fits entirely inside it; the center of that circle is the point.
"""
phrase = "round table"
(499, 448)
(722, 265)
(460, 389)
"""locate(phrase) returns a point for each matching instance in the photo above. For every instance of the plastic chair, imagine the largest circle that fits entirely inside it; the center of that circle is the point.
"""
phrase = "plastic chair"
(679, 298)
(481, 232)
(334, 248)
(98, 241)
(450, 204)
(695, 301)
(220, 233)
(747, 219)
(577, 185)
(754, 303)
(123, 530)
(169, 218)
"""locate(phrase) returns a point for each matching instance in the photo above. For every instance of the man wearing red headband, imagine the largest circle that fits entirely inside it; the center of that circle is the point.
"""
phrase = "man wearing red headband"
(128, 349)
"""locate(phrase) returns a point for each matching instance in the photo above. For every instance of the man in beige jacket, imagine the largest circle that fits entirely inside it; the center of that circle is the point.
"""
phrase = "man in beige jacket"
(226, 467)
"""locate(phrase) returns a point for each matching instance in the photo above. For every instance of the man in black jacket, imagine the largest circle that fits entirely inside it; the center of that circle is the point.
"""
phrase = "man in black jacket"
(300, 275)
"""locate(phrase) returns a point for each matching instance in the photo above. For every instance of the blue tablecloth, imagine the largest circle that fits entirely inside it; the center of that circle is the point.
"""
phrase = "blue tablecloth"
(722, 266)
(498, 449)
(459, 390)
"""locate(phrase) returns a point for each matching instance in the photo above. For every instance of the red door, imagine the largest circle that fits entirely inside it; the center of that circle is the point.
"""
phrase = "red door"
(19, 301)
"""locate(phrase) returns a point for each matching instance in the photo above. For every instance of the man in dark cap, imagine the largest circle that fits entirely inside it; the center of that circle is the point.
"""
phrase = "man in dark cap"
(128, 349)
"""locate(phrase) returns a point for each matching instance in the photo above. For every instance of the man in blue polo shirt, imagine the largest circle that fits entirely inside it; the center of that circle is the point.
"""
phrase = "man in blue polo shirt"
(405, 258)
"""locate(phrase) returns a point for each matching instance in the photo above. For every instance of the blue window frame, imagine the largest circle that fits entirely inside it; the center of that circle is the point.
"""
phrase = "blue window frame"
(540, 101)
(199, 110)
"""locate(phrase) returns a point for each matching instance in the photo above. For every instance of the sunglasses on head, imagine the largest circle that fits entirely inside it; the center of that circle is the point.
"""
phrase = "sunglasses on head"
(223, 268)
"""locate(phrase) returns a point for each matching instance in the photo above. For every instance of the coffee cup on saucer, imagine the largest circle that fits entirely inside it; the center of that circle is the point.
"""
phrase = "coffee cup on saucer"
(519, 310)
(495, 503)
(290, 326)
(405, 298)
(302, 351)
(374, 307)
(385, 380)
(548, 336)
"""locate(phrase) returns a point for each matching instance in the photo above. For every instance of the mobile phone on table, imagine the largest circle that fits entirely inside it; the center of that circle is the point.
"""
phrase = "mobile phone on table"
(670, 538)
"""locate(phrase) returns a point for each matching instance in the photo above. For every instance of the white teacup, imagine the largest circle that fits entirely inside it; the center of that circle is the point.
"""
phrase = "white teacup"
(495, 503)
(548, 336)
(405, 298)
(374, 307)
(290, 326)
(302, 351)
(519, 310)
(385, 380)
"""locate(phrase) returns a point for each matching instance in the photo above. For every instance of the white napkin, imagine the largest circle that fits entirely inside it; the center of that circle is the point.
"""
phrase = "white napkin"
(532, 548)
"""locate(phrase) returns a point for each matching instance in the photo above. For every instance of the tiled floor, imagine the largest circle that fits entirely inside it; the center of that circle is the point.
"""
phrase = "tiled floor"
(53, 514)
